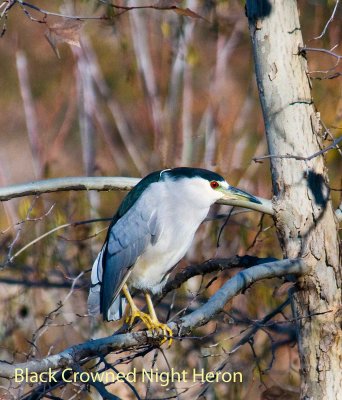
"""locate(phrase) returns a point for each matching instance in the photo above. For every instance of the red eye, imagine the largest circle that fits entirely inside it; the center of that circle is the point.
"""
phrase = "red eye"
(214, 184)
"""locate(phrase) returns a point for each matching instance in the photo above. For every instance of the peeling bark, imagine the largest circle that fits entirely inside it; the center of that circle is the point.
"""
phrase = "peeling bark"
(303, 212)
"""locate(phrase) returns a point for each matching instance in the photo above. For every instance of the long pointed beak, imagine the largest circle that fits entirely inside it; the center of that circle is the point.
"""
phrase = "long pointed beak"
(232, 193)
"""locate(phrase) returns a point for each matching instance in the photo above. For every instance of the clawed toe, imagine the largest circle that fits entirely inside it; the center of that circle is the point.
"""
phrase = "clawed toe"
(152, 325)
(150, 320)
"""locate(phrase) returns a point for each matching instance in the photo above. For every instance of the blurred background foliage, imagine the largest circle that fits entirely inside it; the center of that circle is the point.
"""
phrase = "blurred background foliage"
(146, 90)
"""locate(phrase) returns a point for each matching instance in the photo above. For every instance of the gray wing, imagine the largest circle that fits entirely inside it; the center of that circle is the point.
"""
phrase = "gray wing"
(117, 308)
(126, 241)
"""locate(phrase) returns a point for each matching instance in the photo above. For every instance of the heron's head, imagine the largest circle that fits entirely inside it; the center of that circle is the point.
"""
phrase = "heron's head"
(203, 186)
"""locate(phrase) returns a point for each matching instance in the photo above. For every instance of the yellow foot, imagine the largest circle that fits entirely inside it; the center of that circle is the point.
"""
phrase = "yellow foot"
(167, 332)
(150, 320)
(152, 324)
(136, 313)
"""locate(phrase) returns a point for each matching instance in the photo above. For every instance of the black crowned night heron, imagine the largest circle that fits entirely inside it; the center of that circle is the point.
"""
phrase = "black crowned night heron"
(151, 231)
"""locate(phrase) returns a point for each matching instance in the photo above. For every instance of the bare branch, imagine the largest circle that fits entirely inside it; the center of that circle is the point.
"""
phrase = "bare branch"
(329, 21)
(101, 184)
(48, 233)
(24, 4)
(182, 11)
(43, 283)
(91, 349)
(321, 78)
(207, 267)
(112, 183)
(6, 5)
(213, 265)
(29, 219)
(19, 231)
(235, 285)
(258, 324)
(333, 145)
(320, 50)
(65, 184)
(327, 133)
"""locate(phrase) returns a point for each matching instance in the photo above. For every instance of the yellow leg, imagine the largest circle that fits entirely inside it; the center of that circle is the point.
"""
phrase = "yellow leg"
(155, 322)
(135, 312)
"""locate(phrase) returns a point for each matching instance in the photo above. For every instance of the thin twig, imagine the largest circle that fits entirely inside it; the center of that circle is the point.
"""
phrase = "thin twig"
(124, 9)
(258, 325)
(223, 226)
(329, 21)
(17, 236)
(54, 14)
(333, 145)
(328, 133)
(29, 219)
(320, 50)
(260, 230)
(209, 266)
(57, 228)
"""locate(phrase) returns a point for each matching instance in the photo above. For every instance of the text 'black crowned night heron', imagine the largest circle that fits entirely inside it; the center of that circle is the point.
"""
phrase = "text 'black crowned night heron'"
(151, 231)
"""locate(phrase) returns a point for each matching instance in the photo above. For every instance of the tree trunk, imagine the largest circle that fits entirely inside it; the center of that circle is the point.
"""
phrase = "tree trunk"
(304, 215)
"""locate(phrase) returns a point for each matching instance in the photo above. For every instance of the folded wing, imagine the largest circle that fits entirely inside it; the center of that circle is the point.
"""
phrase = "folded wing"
(127, 239)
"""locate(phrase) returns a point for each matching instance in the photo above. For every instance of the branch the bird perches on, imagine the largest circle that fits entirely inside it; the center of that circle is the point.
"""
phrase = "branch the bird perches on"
(78, 183)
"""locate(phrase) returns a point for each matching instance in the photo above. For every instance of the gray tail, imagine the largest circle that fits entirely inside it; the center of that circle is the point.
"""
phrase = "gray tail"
(115, 311)
(94, 299)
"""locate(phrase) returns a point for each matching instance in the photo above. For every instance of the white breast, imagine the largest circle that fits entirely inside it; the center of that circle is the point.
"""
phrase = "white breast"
(181, 210)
